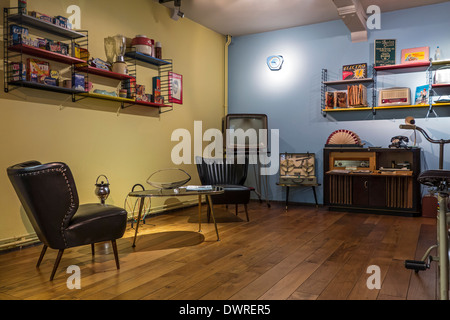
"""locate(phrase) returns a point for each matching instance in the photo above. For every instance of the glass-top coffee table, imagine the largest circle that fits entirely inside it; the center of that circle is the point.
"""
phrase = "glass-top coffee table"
(177, 192)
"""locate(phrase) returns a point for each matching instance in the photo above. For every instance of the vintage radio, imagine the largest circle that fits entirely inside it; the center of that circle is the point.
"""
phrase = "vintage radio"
(394, 97)
(352, 161)
(298, 168)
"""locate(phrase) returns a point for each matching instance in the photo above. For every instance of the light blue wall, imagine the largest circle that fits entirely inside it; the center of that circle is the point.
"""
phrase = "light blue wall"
(291, 97)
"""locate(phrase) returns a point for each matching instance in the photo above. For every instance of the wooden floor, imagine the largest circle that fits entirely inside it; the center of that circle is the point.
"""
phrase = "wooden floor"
(304, 253)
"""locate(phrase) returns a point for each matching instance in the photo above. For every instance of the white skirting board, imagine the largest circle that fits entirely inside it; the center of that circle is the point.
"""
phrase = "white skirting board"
(30, 239)
(17, 242)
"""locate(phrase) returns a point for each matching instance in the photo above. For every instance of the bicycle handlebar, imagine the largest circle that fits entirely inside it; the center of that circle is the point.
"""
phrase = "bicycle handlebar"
(441, 142)
(425, 134)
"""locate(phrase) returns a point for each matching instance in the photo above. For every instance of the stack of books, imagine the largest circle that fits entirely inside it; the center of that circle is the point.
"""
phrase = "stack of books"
(357, 96)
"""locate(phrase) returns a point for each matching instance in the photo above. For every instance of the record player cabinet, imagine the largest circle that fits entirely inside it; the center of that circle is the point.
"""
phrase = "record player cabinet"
(377, 180)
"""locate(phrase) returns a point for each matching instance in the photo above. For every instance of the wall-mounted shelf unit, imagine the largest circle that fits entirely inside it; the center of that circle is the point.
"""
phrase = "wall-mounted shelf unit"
(124, 102)
(438, 89)
(402, 68)
(341, 85)
(131, 62)
(17, 50)
(164, 67)
(424, 66)
(89, 70)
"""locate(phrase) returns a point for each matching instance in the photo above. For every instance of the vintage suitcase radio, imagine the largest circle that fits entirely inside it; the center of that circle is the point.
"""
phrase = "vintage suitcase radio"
(298, 168)
(394, 97)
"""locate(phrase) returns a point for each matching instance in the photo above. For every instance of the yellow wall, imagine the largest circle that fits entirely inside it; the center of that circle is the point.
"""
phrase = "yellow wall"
(88, 135)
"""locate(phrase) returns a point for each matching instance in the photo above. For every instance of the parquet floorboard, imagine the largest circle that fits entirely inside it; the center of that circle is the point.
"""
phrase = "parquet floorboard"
(304, 253)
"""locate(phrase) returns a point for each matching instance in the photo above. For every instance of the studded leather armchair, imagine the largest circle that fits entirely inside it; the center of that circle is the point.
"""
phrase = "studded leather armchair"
(230, 176)
(49, 197)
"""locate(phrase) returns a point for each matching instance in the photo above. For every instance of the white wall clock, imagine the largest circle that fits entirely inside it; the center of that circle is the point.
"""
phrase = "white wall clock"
(275, 62)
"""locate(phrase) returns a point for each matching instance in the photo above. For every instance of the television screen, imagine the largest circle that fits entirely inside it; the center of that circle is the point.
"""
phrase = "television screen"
(250, 136)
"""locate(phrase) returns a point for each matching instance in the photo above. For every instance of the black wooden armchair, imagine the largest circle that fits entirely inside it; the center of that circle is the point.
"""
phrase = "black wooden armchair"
(231, 176)
(50, 199)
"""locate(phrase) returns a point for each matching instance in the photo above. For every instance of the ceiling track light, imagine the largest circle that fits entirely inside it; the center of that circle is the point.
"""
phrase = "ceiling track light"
(176, 12)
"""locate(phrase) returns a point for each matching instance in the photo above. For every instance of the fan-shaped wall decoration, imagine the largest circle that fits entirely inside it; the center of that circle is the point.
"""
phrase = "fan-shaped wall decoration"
(343, 136)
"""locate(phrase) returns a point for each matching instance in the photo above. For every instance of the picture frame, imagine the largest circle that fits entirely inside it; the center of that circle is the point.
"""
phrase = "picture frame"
(175, 88)
(422, 94)
(412, 55)
(354, 71)
(385, 52)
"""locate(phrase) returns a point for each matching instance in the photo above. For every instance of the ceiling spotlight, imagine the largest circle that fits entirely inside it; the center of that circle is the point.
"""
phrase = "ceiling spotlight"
(176, 12)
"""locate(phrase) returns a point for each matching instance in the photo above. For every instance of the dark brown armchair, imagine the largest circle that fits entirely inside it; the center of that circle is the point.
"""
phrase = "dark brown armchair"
(230, 176)
(50, 199)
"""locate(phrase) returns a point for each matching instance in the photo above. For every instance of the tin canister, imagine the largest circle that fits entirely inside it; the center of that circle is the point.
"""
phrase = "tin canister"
(158, 50)
(142, 44)
(123, 93)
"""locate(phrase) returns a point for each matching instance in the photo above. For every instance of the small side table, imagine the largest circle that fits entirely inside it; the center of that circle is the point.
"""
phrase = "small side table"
(288, 185)
(182, 191)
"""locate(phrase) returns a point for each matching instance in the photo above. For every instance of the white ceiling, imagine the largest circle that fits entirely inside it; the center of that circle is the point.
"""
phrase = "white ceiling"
(241, 17)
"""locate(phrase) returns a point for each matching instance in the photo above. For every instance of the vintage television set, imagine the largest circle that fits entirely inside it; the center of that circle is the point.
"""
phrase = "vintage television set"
(252, 140)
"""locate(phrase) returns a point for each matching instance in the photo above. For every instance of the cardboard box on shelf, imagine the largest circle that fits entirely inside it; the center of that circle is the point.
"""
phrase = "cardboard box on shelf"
(37, 70)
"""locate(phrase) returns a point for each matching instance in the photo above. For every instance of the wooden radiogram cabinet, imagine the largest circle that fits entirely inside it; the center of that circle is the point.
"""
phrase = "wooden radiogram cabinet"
(378, 180)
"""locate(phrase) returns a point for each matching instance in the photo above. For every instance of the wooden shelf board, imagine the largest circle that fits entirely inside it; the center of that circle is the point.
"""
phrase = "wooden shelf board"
(441, 104)
(44, 54)
(151, 104)
(103, 73)
(35, 85)
(403, 66)
(45, 26)
(147, 59)
(348, 81)
(347, 109)
(441, 85)
(403, 107)
(105, 97)
(387, 107)
(440, 62)
(125, 100)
